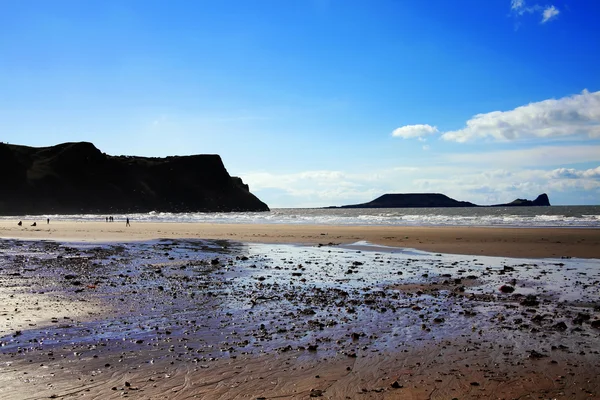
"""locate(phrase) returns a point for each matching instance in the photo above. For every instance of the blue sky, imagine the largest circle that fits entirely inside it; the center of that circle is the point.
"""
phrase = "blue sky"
(320, 102)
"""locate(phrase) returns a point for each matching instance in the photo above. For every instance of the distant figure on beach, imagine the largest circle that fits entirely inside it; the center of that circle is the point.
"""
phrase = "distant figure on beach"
(111, 219)
(48, 221)
(34, 224)
(20, 223)
(127, 222)
(106, 219)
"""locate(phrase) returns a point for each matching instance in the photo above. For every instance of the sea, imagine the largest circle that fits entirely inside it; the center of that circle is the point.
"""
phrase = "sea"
(542, 217)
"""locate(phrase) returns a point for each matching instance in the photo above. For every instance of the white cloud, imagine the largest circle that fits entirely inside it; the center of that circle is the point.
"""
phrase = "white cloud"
(549, 13)
(571, 173)
(405, 169)
(414, 131)
(568, 116)
(517, 5)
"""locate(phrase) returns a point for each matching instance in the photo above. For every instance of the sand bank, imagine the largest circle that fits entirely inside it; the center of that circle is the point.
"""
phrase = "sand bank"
(504, 242)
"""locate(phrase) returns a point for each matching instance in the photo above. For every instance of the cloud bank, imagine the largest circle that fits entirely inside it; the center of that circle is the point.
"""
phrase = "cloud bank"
(577, 115)
(568, 116)
(534, 157)
(497, 184)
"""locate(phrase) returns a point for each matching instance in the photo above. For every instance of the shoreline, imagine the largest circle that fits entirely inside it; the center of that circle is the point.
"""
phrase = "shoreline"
(485, 241)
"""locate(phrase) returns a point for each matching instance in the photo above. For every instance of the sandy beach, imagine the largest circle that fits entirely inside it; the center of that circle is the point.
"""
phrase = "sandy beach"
(232, 311)
(502, 242)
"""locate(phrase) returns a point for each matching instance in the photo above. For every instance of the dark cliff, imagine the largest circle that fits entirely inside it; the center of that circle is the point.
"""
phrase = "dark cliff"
(75, 178)
(427, 200)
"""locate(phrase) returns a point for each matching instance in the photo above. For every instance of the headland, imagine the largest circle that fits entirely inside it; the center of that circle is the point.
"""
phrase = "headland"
(78, 178)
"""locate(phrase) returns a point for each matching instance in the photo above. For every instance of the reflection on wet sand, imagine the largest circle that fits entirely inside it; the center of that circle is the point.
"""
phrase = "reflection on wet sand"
(219, 319)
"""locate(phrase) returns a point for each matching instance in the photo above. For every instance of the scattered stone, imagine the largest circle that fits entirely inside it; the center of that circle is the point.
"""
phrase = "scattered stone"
(536, 355)
(396, 385)
(561, 326)
(581, 318)
(530, 301)
(507, 289)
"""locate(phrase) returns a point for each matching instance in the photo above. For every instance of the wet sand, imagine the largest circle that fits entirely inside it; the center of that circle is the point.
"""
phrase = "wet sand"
(502, 242)
(220, 319)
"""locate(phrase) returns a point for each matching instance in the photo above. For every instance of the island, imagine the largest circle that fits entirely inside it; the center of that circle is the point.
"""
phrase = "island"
(432, 200)
(77, 178)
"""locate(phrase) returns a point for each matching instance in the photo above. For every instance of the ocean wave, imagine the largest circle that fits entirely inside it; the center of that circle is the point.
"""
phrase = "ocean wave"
(557, 216)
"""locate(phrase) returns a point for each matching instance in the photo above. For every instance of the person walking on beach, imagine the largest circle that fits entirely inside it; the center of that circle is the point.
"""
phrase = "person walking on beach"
(48, 221)
(127, 222)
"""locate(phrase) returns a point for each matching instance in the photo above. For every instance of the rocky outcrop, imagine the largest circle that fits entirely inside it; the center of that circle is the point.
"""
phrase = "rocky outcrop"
(76, 178)
(427, 200)
(541, 200)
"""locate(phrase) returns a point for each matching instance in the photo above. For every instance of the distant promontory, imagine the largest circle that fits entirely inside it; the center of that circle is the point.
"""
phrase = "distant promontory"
(430, 200)
(77, 178)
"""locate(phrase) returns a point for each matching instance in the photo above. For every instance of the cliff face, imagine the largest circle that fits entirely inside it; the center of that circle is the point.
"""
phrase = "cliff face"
(75, 178)
(426, 200)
